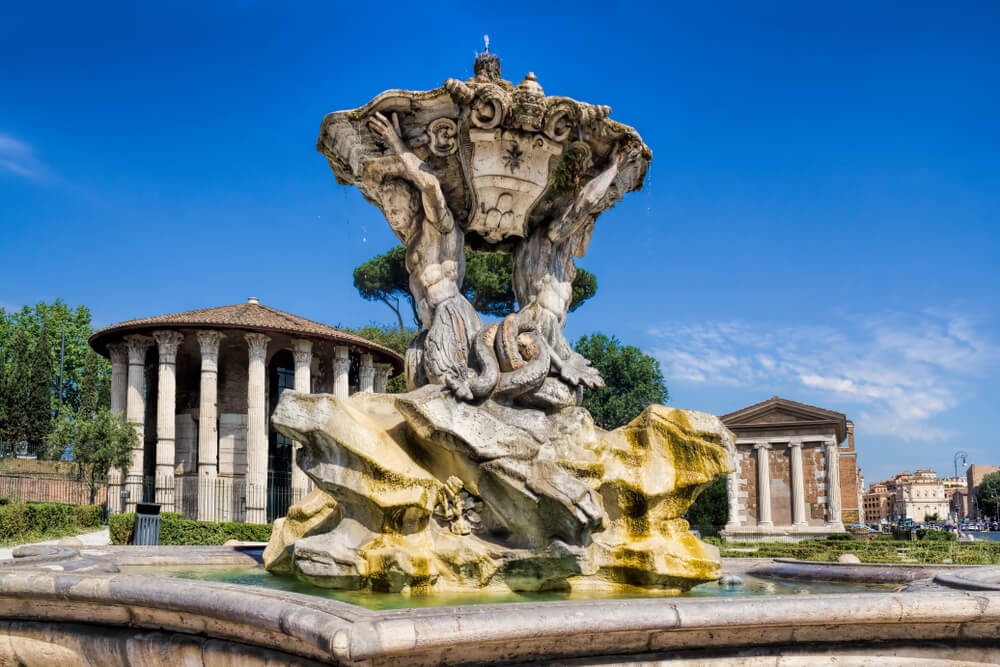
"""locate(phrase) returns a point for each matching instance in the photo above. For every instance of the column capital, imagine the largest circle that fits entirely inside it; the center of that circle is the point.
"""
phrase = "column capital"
(761, 445)
(208, 342)
(118, 352)
(137, 346)
(795, 443)
(302, 351)
(167, 343)
(257, 345)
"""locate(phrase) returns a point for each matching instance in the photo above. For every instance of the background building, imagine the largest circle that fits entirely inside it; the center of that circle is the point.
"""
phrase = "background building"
(796, 472)
(200, 387)
(919, 496)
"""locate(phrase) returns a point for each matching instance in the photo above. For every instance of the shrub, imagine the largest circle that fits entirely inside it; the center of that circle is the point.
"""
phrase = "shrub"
(932, 535)
(89, 516)
(20, 522)
(176, 530)
(13, 521)
(841, 537)
(120, 527)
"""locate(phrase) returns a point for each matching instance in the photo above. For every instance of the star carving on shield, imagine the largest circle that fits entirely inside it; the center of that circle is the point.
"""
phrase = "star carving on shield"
(512, 157)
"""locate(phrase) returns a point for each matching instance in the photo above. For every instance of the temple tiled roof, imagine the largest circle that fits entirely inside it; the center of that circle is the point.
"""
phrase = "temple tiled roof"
(250, 316)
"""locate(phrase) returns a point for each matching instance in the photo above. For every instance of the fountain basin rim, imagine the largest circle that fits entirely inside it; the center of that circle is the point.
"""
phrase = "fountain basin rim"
(332, 631)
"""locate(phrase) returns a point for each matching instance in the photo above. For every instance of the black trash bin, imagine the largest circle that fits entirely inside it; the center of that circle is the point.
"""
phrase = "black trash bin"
(147, 525)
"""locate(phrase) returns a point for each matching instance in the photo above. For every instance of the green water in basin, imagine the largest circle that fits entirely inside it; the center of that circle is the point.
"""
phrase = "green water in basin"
(261, 578)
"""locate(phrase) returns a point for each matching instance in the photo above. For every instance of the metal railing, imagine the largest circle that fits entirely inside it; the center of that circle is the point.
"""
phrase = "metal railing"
(204, 499)
(207, 498)
(70, 488)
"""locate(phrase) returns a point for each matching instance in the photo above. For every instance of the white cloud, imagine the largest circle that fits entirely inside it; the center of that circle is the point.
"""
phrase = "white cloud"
(901, 370)
(19, 158)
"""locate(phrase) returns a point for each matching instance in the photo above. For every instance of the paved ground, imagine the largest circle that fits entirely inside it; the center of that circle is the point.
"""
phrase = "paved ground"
(97, 538)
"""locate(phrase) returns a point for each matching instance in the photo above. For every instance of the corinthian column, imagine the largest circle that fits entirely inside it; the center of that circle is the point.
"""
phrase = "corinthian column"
(302, 351)
(798, 485)
(341, 368)
(382, 373)
(366, 374)
(119, 376)
(135, 412)
(256, 483)
(833, 519)
(119, 391)
(167, 343)
(208, 427)
(763, 485)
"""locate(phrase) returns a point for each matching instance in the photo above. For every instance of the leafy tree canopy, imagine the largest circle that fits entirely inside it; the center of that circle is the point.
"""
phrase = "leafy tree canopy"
(99, 442)
(33, 341)
(988, 494)
(487, 284)
(633, 380)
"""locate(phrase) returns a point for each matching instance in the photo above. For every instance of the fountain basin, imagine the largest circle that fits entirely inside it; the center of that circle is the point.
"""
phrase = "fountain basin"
(54, 609)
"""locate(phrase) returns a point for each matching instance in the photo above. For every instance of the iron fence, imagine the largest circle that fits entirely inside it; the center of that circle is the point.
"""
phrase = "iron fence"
(201, 498)
(207, 498)
(71, 488)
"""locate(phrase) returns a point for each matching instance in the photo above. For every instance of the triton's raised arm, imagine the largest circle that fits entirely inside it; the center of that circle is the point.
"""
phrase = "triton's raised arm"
(581, 211)
(415, 171)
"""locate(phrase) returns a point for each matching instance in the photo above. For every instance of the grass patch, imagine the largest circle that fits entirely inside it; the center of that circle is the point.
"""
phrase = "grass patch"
(927, 551)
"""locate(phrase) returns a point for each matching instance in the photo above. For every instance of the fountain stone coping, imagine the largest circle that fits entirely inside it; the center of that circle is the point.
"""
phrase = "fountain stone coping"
(57, 603)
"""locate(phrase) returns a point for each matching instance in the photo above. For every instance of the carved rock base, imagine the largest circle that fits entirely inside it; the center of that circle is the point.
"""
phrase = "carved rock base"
(421, 492)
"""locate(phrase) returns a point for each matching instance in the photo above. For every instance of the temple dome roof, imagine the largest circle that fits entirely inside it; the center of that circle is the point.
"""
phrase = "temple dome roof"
(248, 316)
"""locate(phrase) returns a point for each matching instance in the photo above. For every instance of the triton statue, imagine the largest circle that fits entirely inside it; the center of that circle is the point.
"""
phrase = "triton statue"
(487, 472)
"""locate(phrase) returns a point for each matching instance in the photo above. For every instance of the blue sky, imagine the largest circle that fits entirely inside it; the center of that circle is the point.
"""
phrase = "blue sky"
(821, 220)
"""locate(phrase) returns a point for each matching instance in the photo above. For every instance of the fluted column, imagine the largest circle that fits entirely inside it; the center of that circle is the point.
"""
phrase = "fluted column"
(167, 343)
(366, 374)
(119, 376)
(119, 393)
(256, 482)
(302, 351)
(208, 426)
(341, 370)
(798, 485)
(135, 412)
(833, 519)
(382, 373)
(763, 485)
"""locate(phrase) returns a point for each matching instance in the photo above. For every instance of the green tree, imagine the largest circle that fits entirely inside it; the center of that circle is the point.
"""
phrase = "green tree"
(99, 443)
(384, 278)
(17, 395)
(39, 415)
(710, 510)
(90, 385)
(487, 284)
(988, 495)
(633, 381)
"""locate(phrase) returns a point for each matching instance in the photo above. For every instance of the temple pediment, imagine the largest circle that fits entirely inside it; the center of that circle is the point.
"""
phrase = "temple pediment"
(777, 412)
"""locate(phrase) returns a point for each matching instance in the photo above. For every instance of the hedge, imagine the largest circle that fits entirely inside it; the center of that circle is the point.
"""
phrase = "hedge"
(27, 521)
(176, 530)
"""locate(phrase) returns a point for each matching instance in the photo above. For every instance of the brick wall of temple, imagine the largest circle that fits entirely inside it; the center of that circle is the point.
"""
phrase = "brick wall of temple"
(814, 472)
(780, 465)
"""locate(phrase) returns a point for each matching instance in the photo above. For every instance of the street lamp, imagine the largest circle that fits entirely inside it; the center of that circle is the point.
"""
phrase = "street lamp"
(965, 458)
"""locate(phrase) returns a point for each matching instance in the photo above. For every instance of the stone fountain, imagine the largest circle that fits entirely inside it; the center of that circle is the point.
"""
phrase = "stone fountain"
(488, 473)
